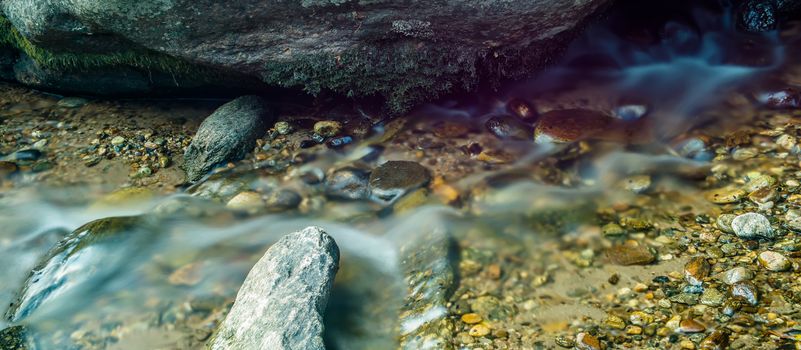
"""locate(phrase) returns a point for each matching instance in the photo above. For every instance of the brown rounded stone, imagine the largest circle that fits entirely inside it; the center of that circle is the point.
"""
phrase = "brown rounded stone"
(718, 340)
(569, 125)
(691, 326)
(630, 255)
(586, 341)
(696, 270)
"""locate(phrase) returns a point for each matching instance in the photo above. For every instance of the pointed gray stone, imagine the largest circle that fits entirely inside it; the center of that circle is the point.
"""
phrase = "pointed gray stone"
(281, 303)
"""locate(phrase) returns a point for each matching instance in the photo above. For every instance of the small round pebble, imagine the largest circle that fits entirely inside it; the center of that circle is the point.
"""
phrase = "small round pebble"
(117, 140)
(245, 200)
(283, 128)
(752, 225)
(736, 275)
(774, 261)
(283, 199)
(472, 318)
(327, 128)
(724, 222)
(479, 330)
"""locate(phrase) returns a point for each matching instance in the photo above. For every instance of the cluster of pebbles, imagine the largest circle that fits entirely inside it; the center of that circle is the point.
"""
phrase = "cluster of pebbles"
(697, 257)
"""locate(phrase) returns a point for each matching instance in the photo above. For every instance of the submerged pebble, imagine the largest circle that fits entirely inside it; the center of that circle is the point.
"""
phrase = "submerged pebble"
(348, 183)
(630, 255)
(283, 128)
(507, 127)
(570, 125)
(787, 98)
(72, 102)
(736, 275)
(339, 142)
(283, 199)
(696, 270)
(746, 290)
(245, 200)
(630, 112)
(522, 109)
(395, 178)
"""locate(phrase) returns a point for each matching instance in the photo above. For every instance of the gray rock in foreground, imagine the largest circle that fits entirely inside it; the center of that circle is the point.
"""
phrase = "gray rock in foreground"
(281, 303)
(226, 135)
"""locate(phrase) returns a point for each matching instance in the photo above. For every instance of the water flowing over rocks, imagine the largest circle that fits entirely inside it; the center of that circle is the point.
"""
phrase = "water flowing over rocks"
(69, 266)
(281, 303)
(406, 54)
(227, 135)
(427, 261)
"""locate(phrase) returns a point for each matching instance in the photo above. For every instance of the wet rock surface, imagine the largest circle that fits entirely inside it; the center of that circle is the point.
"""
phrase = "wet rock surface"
(438, 47)
(281, 303)
(227, 135)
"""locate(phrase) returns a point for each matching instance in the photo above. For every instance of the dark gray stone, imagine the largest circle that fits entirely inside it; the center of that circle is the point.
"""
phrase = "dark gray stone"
(227, 135)
(405, 52)
(393, 179)
(281, 303)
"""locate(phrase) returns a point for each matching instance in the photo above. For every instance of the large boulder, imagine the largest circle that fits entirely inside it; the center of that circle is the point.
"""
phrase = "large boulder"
(281, 303)
(406, 51)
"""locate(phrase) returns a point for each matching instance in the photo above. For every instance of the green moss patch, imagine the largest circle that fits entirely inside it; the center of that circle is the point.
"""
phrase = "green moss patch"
(68, 61)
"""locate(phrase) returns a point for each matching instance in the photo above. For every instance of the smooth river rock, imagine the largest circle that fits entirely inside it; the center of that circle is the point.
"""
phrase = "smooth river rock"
(281, 303)
(227, 135)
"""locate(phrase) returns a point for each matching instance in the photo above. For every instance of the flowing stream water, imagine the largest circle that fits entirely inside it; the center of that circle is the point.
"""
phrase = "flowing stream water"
(163, 271)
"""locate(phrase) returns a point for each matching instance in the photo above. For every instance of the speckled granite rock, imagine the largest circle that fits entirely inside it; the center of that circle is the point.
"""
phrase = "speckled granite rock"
(281, 303)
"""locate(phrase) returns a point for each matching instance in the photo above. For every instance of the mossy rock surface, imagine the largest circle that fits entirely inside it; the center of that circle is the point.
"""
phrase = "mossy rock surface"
(406, 52)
